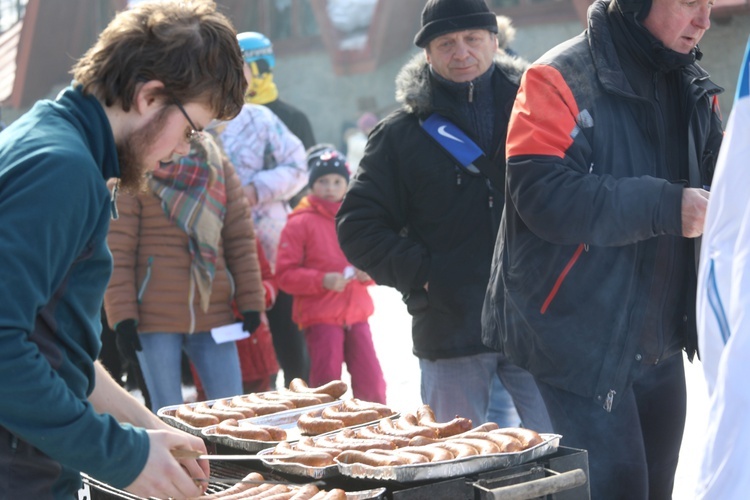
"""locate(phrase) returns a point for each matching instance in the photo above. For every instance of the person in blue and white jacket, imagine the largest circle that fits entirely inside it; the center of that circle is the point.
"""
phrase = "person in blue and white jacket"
(722, 305)
(272, 167)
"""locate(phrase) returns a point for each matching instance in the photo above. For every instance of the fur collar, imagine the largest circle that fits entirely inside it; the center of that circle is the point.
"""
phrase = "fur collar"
(413, 89)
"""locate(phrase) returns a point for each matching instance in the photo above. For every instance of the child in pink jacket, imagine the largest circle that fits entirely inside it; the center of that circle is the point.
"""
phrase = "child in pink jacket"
(331, 301)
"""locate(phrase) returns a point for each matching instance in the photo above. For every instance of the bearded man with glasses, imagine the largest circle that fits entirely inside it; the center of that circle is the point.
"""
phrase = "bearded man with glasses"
(148, 84)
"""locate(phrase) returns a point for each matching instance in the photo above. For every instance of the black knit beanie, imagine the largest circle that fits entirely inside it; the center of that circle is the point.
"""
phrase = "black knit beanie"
(446, 16)
(326, 160)
(638, 8)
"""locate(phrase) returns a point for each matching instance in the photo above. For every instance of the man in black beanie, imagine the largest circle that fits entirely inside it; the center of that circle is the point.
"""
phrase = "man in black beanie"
(420, 221)
(611, 148)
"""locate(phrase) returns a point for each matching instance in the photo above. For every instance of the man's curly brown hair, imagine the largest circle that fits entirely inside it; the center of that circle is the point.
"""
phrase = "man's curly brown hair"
(187, 45)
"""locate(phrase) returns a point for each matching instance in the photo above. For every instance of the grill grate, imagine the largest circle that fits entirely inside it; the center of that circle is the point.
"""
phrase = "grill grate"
(224, 469)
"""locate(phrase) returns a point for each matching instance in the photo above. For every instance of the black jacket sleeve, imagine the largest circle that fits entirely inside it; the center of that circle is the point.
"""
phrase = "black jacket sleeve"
(372, 222)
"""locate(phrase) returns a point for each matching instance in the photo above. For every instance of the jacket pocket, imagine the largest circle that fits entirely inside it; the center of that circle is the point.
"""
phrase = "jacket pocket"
(561, 278)
(416, 301)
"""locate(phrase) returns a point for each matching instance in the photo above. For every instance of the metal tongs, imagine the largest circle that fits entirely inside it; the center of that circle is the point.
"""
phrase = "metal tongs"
(197, 455)
(181, 453)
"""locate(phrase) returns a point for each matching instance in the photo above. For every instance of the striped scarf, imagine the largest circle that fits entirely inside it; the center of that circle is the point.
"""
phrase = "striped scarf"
(193, 195)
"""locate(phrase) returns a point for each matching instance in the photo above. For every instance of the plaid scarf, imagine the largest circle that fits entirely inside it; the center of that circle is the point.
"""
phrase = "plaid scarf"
(193, 195)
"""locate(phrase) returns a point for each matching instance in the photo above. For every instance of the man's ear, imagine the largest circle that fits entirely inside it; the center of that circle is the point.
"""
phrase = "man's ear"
(149, 97)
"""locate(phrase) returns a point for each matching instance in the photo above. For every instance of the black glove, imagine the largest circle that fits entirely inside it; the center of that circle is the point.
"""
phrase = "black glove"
(251, 321)
(126, 337)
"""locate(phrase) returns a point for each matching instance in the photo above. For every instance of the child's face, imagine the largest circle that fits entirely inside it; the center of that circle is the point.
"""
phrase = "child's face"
(330, 187)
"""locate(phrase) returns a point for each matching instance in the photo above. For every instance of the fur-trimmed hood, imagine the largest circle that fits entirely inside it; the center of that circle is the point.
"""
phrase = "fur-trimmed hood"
(413, 89)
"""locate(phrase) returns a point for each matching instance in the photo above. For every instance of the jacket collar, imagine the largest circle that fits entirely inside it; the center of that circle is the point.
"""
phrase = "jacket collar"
(606, 61)
(414, 89)
(86, 113)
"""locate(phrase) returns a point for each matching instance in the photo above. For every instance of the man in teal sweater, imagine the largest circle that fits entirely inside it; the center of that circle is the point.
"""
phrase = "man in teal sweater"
(139, 94)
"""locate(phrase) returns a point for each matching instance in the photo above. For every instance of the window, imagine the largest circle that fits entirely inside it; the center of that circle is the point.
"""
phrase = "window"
(290, 24)
(524, 12)
(11, 11)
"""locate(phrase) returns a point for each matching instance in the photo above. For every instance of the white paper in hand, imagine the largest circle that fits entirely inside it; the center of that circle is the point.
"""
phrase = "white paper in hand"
(229, 333)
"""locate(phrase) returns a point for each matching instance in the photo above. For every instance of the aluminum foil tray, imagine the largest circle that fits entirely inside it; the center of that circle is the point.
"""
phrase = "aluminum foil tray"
(366, 494)
(166, 413)
(298, 469)
(286, 420)
(305, 470)
(451, 468)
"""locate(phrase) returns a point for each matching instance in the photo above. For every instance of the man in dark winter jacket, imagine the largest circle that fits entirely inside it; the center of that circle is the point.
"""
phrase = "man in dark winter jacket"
(611, 147)
(417, 220)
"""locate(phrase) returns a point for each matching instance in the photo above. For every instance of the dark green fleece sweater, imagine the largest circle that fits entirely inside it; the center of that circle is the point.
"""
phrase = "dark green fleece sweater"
(54, 218)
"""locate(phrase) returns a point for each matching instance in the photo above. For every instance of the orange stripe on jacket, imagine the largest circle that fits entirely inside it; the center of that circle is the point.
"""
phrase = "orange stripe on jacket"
(544, 115)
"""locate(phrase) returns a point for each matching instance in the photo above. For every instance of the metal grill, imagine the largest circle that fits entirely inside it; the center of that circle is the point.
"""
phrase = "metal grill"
(560, 476)
(97, 490)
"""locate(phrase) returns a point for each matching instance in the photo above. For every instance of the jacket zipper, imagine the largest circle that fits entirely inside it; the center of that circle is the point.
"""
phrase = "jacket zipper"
(562, 276)
(471, 91)
(146, 279)
(609, 400)
(114, 214)
(191, 300)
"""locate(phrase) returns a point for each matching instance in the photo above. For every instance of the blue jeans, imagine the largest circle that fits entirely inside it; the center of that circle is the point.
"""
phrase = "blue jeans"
(218, 366)
(633, 450)
(502, 411)
(462, 386)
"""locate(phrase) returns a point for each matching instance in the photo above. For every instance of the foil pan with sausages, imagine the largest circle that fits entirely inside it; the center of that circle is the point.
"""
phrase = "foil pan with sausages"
(413, 447)
(194, 417)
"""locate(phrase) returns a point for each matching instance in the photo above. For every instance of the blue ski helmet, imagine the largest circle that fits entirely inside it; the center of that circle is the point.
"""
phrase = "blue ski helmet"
(255, 47)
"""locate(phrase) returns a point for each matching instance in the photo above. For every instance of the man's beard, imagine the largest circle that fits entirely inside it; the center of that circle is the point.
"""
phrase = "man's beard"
(131, 153)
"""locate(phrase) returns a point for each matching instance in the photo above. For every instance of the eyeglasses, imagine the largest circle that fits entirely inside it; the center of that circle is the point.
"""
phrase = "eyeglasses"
(194, 132)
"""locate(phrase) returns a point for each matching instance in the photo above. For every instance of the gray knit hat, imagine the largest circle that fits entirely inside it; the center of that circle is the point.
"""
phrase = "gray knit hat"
(446, 16)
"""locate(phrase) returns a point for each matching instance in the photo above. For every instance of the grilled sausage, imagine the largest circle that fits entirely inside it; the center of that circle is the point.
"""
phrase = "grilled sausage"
(231, 428)
(483, 446)
(410, 457)
(527, 437)
(349, 418)
(306, 492)
(307, 443)
(433, 453)
(226, 405)
(506, 442)
(260, 409)
(312, 426)
(386, 426)
(334, 388)
(371, 432)
(269, 398)
(297, 399)
(459, 450)
(375, 460)
(426, 418)
(186, 414)
(335, 494)
(407, 421)
(308, 458)
(244, 488)
(355, 404)
(221, 414)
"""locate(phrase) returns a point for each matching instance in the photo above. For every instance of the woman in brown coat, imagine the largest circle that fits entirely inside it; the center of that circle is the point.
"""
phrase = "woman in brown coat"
(184, 252)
